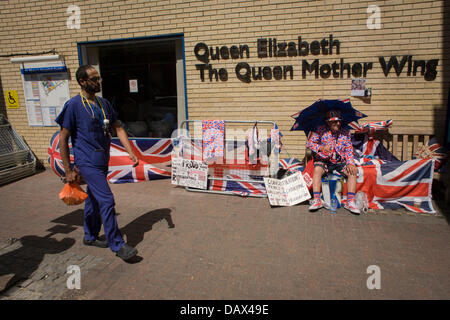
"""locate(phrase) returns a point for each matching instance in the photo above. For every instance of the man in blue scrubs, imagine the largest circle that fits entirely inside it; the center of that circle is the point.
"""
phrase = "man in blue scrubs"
(88, 120)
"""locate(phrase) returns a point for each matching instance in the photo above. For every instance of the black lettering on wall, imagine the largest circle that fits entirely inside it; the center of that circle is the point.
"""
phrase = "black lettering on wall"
(234, 52)
(289, 69)
(392, 62)
(315, 47)
(257, 76)
(325, 71)
(277, 73)
(292, 50)
(262, 48)
(243, 66)
(267, 73)
(244, 48)
(282, 49)
(310, 68)
(224, 53)
(430, 73)
(303, 47)
(203, 57)
(223, 74)
(201, 68)
(357, 70)
(212, 55)
(345, 66)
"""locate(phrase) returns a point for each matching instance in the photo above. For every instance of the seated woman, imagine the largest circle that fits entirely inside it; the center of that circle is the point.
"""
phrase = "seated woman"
(333, 150)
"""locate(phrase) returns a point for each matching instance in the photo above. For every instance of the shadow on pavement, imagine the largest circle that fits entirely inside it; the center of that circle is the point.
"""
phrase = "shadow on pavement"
(23, 261)
(439, 200)
(136, 229)
(74, 218)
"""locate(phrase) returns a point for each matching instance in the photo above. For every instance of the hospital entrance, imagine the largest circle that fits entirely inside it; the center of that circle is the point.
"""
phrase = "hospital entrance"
(144, 81)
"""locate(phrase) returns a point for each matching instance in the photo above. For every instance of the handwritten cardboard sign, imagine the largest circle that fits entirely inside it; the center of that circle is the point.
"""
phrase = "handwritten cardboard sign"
(189, 173)
(287, 191)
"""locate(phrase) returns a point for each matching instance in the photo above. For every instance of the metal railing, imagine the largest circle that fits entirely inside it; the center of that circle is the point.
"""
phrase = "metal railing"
(185, 125)
(16, 159)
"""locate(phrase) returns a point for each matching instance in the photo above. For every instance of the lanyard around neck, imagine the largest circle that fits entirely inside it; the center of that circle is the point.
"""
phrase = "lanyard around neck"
(83, 99)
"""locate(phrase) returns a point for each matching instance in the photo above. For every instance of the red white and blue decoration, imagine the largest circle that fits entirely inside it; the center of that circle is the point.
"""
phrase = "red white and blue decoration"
(290, 164)
(154, 159)
(235, 172)
(54, 155)
(314, 116)
(434, 151)
(371, 127)
(397, 184)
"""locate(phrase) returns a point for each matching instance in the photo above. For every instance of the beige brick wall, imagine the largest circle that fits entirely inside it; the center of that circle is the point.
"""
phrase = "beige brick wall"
(407, 28)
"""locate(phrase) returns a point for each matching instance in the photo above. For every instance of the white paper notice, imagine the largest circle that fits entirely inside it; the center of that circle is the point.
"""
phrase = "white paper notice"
(189, 173)
(287, 191)
(134, 85)
(46, 91)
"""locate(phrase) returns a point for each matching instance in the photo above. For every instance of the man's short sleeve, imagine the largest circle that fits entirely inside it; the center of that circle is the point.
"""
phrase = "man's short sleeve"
(66, 118)
(114, 115)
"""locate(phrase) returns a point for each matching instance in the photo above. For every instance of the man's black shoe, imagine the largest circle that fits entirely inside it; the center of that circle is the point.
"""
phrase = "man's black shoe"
(96, 243)
(126, 252)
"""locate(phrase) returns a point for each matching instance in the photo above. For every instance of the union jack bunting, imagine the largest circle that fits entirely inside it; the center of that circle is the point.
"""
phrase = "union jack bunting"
(397, 184)
(54, 155)
(433, 150)
(154, 160)
(239, 172)
(290, 164)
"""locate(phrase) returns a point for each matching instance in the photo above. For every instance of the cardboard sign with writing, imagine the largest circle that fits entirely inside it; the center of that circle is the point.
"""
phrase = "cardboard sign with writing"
(189, 173)
(287, 191)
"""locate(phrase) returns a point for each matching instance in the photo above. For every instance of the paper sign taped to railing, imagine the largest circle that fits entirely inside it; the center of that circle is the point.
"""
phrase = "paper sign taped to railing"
(189, 173)
(287, 191)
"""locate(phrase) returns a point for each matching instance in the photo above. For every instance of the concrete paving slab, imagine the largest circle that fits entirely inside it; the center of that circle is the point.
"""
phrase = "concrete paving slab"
(206, 246)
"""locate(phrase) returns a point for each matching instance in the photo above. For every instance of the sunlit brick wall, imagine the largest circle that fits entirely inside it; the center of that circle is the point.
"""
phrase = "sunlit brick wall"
(412, 28)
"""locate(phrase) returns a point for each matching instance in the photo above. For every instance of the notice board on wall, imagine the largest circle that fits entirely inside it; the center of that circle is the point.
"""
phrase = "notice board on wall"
(46, 89)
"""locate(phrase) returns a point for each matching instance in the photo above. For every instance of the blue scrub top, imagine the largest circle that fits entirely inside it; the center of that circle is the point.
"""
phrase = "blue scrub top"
(90, 144)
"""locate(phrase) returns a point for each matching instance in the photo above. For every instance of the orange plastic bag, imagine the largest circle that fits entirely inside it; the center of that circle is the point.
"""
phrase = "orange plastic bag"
(72, 194)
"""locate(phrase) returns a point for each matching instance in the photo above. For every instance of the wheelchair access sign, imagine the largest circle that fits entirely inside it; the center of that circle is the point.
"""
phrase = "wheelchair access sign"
(12, 99)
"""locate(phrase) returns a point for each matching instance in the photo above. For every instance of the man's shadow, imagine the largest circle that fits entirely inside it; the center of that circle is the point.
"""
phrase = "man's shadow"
(25, 260)
(133, 231)
(136, 229)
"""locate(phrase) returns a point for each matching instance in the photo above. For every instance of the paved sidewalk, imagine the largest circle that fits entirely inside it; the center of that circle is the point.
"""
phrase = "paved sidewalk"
(206, 246)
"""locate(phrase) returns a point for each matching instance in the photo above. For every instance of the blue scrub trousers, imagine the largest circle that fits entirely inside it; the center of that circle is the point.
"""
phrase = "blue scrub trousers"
(99, 206)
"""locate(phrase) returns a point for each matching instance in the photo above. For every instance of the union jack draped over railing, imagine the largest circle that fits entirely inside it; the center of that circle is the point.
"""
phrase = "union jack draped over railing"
(154, 159)
(371, 127)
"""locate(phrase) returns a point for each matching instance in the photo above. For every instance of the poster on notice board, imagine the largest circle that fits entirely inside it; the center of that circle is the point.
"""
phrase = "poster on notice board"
(46, 89)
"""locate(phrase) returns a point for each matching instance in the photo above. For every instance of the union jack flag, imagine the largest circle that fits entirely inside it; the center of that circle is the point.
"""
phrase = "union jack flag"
(397, 184)
(54, 155)
(239, 172)
(371, 127)
(154, 158)
(290, 164)
(371, 150)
